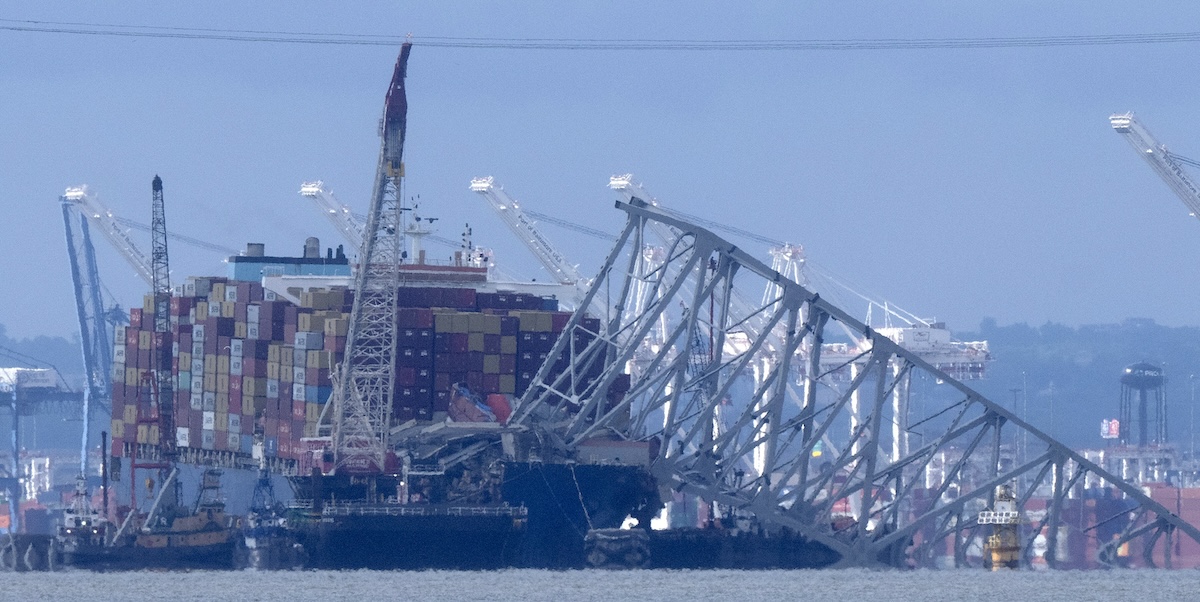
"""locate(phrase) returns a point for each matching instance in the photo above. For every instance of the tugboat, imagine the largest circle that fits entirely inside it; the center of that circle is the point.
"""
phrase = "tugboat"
(269, 545)
(168, 536)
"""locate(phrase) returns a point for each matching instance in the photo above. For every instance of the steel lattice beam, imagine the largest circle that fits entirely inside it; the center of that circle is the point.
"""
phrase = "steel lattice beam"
(725, 434)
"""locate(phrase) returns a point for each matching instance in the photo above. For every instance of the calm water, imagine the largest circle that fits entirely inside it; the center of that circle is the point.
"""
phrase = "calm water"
(649, 586)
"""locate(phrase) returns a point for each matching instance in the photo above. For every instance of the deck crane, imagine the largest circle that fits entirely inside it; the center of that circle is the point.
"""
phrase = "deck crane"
(1168, 165)
(362, 395)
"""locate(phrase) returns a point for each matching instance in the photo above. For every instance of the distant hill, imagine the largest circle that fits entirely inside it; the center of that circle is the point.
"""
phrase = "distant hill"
(1077, 371)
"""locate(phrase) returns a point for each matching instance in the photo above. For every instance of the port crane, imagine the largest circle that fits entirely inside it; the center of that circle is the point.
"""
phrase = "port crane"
(350, 225)
(868, 508)
(82, 213)
(363, 391)
(1168, 165)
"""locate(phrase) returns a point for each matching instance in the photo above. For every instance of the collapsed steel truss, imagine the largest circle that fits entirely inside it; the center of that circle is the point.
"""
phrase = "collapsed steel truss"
(712, 397)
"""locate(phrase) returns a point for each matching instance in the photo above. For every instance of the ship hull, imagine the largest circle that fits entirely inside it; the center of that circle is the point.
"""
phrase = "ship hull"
(466, 539)
(121, 558)
(565, 501)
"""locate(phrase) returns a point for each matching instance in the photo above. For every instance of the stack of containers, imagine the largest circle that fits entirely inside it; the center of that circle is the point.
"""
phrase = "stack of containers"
(247, 362)
(244, 362)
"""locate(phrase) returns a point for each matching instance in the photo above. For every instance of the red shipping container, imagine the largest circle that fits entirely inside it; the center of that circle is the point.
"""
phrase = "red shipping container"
(131, 337)
(135, 317)
(558, 321)
(490, 383)
(474, 381)
(508, 364)
(235, 385)
(298, 410)
(235, 404)
(415, 317)
(491, 343)
(406, 377)
(118, 448)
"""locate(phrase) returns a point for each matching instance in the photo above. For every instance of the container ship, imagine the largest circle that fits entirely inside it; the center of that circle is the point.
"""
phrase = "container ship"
(252, 366)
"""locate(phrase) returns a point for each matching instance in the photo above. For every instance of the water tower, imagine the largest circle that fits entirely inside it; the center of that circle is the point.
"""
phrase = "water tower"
(1142, 387)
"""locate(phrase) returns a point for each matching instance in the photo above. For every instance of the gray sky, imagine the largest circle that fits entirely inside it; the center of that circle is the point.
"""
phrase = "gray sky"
(958, 184)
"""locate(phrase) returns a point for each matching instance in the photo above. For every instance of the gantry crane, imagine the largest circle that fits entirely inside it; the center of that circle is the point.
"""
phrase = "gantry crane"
(82, 212)
(346, 223)
(525, 229)
(362, 396)
(100, 217)
(1168, 165)
(95, 326)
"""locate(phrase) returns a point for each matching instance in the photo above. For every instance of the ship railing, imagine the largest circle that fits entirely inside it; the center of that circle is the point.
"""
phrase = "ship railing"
(364, 509)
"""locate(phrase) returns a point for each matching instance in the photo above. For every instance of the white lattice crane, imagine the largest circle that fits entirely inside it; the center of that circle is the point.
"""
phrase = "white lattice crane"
(350, 227)
(109, 224)
(1168, 165)
(526, 230)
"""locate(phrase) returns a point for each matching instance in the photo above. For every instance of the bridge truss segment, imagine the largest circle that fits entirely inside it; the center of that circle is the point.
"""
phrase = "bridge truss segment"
(717, 432)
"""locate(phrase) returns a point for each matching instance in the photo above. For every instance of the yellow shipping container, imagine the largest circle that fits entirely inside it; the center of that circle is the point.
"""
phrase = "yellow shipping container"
(318, 359)
(239, 330)
(475, 341)
(475, 322)
(223, 364)
(491, 364)
(131, 377)
(201, 309)
(227, 308)
(285, 358)
(223, 383)
(130, 414)
(508, 384)
(336, 327)
(312, 412)
(273, 353)
(528, 321)
(218, 292)
(185, 361)
(310, 323)
(210, 383)
(143, 433)
(491, 324)
(508, 345)
(252, 386)
(273, 370)
(152, 434)
(460, 322)
(210, 363)
(222, 423)
(443, 322)
(148, 304)
(145, 339)
(223, 402)
(118, 428)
